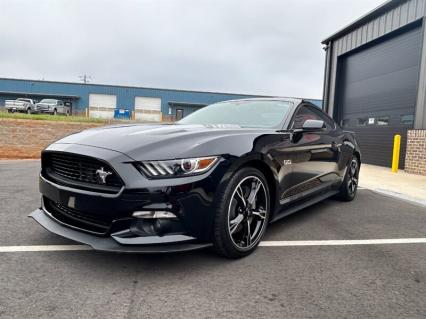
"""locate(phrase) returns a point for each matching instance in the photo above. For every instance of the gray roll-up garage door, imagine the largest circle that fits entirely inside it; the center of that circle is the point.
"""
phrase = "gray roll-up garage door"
(377, 94)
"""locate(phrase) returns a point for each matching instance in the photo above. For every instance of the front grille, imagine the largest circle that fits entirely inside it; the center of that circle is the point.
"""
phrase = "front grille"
(73, 217)
(80, 171)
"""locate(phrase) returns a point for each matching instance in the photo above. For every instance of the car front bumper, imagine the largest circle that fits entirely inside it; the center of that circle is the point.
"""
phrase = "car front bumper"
(44, 110)
(190, 199)
(114, 243)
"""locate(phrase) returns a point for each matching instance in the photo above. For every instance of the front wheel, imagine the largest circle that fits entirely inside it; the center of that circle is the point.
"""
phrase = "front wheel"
(349, 186)
(242, 214)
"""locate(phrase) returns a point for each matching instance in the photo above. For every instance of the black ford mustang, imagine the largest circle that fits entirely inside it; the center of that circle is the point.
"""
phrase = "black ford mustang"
(217, 177)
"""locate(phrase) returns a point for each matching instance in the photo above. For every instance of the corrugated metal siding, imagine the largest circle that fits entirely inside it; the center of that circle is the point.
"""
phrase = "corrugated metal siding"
(401, 15)
(125, 95)
(317, 103)
(376, 82)
(396, 18)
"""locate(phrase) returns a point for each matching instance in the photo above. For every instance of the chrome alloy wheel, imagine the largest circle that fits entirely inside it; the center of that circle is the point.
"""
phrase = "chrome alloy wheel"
(247, 212)
(353, 176)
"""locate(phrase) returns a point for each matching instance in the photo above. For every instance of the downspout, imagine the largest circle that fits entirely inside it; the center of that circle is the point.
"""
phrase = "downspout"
(326, 88)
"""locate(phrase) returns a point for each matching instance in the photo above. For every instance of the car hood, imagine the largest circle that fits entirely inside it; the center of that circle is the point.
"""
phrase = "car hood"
(154, 142)
(47, 104)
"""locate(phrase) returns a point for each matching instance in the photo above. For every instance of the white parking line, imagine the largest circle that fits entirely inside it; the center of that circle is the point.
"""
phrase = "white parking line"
(14, 249)
(280, 243)
(342, 242)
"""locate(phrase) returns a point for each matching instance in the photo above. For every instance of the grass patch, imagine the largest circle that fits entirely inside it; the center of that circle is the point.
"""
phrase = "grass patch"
(48, 117)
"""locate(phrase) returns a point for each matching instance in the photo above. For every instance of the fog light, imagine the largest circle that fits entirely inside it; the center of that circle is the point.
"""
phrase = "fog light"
(153, 214)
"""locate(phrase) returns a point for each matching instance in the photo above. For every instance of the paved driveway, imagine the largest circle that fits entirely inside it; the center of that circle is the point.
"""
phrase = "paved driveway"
(369, 280)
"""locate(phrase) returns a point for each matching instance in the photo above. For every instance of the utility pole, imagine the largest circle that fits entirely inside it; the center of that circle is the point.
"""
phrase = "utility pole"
(85, 78)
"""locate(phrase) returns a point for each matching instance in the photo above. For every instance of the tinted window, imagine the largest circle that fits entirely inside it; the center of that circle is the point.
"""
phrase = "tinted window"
(383, 120)
(407, 119)
(248, 113)
(362, 121)
(346, 122)
(305, 113)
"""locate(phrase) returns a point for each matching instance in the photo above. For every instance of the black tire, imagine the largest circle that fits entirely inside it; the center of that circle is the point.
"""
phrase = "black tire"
(254, 214)
(28, 111)
(349, 186)
(54, 112)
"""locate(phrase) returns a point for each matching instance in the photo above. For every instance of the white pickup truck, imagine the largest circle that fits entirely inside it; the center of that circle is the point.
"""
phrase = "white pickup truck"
(53, 107)
(21, 105)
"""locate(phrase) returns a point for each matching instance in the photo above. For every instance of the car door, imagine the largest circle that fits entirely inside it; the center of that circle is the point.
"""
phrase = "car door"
(60, 107)
(314, 155)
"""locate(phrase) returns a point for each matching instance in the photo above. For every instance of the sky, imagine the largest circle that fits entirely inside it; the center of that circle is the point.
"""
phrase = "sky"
(265, 47)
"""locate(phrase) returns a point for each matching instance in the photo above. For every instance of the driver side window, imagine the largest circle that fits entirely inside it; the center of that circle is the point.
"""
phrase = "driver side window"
(305, 113)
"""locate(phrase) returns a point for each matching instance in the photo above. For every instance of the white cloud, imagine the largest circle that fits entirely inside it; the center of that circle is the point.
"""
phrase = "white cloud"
(257, 47)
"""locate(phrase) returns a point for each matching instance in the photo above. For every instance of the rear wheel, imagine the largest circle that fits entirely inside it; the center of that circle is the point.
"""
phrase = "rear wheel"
(349, 186)
(242, 214)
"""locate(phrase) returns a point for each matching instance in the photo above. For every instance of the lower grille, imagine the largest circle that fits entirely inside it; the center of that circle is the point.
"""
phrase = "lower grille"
(73, 217)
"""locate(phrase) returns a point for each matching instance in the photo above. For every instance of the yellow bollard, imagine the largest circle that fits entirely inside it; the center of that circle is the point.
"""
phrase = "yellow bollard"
(396, 149)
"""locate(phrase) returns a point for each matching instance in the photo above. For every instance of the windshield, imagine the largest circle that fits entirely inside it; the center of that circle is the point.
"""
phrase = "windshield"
(255, 113)
(48, 101)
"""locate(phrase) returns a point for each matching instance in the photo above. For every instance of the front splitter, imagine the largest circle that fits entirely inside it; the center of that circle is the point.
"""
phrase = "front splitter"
(108, 243)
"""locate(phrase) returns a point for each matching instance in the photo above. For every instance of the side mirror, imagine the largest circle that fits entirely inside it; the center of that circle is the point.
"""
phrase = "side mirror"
(313, 125)
(308, 126)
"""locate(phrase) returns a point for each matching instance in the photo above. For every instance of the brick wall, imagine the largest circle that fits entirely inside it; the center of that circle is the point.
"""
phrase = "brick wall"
(26, 138)
(415, 158)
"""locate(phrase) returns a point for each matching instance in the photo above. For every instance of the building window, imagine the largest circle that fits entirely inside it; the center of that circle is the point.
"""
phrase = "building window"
(383, 120)
(407, 119)
(346, 122)
(362, 121)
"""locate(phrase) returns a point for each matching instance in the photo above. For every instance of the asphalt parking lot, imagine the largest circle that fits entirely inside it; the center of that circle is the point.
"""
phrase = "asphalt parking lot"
(380, 281)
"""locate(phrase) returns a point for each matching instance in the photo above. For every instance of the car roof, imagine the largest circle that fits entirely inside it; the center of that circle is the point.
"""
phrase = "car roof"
(296, 101)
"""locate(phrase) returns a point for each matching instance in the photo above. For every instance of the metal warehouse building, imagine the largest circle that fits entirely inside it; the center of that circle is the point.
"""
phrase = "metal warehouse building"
(375, 80)
(149, 104)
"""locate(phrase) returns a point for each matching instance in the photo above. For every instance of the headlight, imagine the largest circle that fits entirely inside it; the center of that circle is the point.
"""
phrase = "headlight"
(176, 168)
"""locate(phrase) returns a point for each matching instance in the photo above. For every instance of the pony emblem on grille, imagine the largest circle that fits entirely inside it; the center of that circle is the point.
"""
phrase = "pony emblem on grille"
(102, 175)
